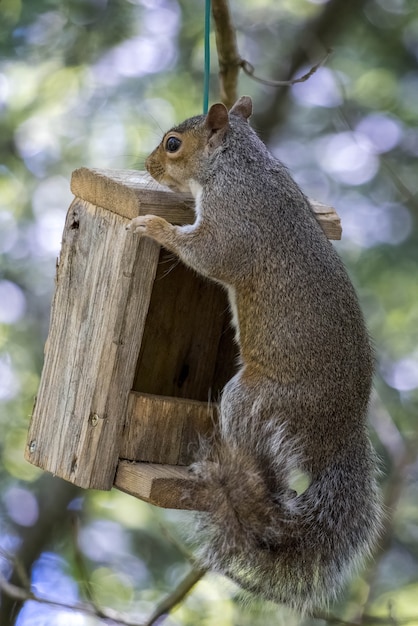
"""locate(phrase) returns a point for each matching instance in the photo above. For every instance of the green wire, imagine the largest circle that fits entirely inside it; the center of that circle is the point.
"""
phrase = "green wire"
(207, 58)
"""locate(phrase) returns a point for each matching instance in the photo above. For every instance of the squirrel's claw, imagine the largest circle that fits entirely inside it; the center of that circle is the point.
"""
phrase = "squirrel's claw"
(138, 225)
(152, 226)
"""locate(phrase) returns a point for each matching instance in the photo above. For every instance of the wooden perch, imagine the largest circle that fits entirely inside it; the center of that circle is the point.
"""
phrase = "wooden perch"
(168, 486)
(139, 347)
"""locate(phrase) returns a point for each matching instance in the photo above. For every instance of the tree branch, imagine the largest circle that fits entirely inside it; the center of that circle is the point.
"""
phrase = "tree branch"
(177, 595)
(21, 595)
(228, 56)
(168, 603)
(250, 69)
(230, 61)
(320, 32)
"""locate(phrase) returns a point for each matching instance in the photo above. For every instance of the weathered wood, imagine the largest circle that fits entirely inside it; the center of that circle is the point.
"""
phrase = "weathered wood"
(129, 320)
(130, 193)
(167, 486)
(183, 335)
(104, 282)
(328, 219)
(164, 430)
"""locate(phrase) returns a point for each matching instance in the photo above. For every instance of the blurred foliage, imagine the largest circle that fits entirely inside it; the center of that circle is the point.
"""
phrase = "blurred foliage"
(94, 83)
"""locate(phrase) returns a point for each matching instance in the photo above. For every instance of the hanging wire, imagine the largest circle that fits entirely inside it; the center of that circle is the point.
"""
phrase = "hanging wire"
(207, 58)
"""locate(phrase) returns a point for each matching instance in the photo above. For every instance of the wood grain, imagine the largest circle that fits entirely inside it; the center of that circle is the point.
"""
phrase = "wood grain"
(166, 486)
(103, 287)
(130, 193)
(159, 429)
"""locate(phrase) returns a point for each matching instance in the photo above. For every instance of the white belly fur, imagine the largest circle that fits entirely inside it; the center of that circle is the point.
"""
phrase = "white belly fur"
(234, 310)
(196, 190)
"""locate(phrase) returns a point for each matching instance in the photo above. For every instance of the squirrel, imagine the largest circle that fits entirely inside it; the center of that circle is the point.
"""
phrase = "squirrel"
(293, 505)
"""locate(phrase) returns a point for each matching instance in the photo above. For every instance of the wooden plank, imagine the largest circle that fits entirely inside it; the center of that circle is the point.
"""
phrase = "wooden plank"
(328, 219)
(104, 282)
(167, 486)
(164, 430)
(130, 193)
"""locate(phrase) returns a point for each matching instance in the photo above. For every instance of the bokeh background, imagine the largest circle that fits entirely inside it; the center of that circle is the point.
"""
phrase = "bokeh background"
(95, 83)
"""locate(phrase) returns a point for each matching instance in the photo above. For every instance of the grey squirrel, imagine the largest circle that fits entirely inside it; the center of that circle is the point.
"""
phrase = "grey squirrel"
(297, 406)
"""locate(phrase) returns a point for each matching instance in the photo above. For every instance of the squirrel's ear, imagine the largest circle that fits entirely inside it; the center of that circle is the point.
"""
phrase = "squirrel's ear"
(217, 121)
(243, 107)
(217, 117)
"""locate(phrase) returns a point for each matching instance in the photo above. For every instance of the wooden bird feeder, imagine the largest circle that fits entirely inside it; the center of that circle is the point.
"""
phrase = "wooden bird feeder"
(139, 346)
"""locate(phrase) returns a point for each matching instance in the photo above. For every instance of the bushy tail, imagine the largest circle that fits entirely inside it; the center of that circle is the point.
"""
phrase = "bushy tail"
(289, 548)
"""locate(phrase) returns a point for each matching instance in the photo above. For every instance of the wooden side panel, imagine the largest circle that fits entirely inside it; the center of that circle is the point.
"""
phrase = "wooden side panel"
(164, 430)
(104, 282)
(185, 325)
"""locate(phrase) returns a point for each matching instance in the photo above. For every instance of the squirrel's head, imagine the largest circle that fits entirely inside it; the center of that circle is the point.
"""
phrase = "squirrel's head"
(185, 150)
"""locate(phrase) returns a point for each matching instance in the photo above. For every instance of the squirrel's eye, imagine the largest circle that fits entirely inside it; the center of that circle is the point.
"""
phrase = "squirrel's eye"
(172, 144)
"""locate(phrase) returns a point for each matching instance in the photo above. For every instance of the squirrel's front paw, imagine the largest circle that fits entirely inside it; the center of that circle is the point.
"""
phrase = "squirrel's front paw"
(138, 224)
(150, 226)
